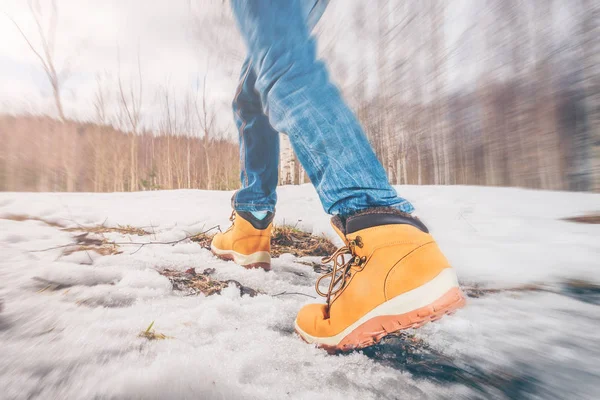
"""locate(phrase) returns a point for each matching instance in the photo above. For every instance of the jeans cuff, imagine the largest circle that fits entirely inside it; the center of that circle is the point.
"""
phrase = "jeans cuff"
(405, 206)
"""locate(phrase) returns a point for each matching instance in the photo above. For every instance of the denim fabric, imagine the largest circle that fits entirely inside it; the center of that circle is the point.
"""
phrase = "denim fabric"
(285, 88)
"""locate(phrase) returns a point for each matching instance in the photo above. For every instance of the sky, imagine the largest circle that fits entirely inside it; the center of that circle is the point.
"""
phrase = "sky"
(91, 37)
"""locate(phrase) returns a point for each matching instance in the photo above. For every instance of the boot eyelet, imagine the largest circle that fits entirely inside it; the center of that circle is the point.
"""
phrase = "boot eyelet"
(359, 242)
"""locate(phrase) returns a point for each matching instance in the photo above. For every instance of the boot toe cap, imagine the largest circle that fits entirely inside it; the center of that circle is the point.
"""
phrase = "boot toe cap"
(311, 321)
(217, 241)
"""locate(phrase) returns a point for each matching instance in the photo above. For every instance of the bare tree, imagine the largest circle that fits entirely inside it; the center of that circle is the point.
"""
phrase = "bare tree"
(101, 100)
(131, 104)
(438, 56)
(590, 30)
(206, 119)
(288, 161)
(46, 55)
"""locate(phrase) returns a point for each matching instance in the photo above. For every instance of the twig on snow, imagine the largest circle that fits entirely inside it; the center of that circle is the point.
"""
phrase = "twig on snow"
(172, 242)
(292, 293)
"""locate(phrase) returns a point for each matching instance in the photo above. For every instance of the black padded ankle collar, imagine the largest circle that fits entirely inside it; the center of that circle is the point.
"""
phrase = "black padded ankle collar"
(255, 222)
(381, 216)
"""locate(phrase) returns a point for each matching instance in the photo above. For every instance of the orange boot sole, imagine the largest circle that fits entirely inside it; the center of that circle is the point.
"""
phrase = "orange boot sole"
(375, 329)
(251, 261)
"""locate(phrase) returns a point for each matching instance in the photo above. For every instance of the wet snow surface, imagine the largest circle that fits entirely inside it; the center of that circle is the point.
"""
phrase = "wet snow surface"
(70, 324)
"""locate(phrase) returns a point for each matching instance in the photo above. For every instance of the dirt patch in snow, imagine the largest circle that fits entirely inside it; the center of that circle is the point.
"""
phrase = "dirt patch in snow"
(23, 217)
(406, 352)
(202, 239)
(585, 219)
(587, 292)
(287, 240)
(99, 245)
(122, 229)
(99, 229)
(192, 283)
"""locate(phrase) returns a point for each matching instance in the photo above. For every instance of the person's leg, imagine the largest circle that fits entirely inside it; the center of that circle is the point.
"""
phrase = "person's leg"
(259, 148)
(300, 100)
(247, 241)
(259, 142)
(395, 277)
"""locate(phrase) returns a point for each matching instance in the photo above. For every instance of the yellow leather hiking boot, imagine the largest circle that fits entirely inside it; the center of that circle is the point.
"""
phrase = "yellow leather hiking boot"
(247, 242)
(396, 278)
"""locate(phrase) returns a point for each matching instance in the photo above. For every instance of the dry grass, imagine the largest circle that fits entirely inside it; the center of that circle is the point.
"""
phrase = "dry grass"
(108, 249)
(101, 246)
(21, 218)
(150, 334)
(85, 243)
(287, 239)
(192, 283)
(121, 229)
(585, 219)
(202, 239)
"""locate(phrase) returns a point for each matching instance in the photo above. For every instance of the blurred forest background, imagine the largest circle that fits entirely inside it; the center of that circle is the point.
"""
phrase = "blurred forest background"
(512, 98)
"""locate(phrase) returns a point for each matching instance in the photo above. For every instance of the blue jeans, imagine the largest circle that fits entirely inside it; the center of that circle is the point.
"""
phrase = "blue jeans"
(285, 88)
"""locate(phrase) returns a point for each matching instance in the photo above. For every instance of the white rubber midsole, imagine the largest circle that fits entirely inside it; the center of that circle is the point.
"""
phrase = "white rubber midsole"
(243, 259)
(401, 304)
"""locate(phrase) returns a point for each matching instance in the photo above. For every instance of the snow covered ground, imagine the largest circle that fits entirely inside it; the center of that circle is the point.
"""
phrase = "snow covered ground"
(79, 338)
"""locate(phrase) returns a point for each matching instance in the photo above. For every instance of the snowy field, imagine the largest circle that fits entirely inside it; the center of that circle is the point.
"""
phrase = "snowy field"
(70, 324)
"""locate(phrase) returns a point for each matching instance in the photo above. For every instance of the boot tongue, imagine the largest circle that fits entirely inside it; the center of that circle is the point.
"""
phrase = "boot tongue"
(339, 227)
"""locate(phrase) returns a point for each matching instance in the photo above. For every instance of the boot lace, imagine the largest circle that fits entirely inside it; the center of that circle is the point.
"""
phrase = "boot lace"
(341, 270)
(232, 219)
